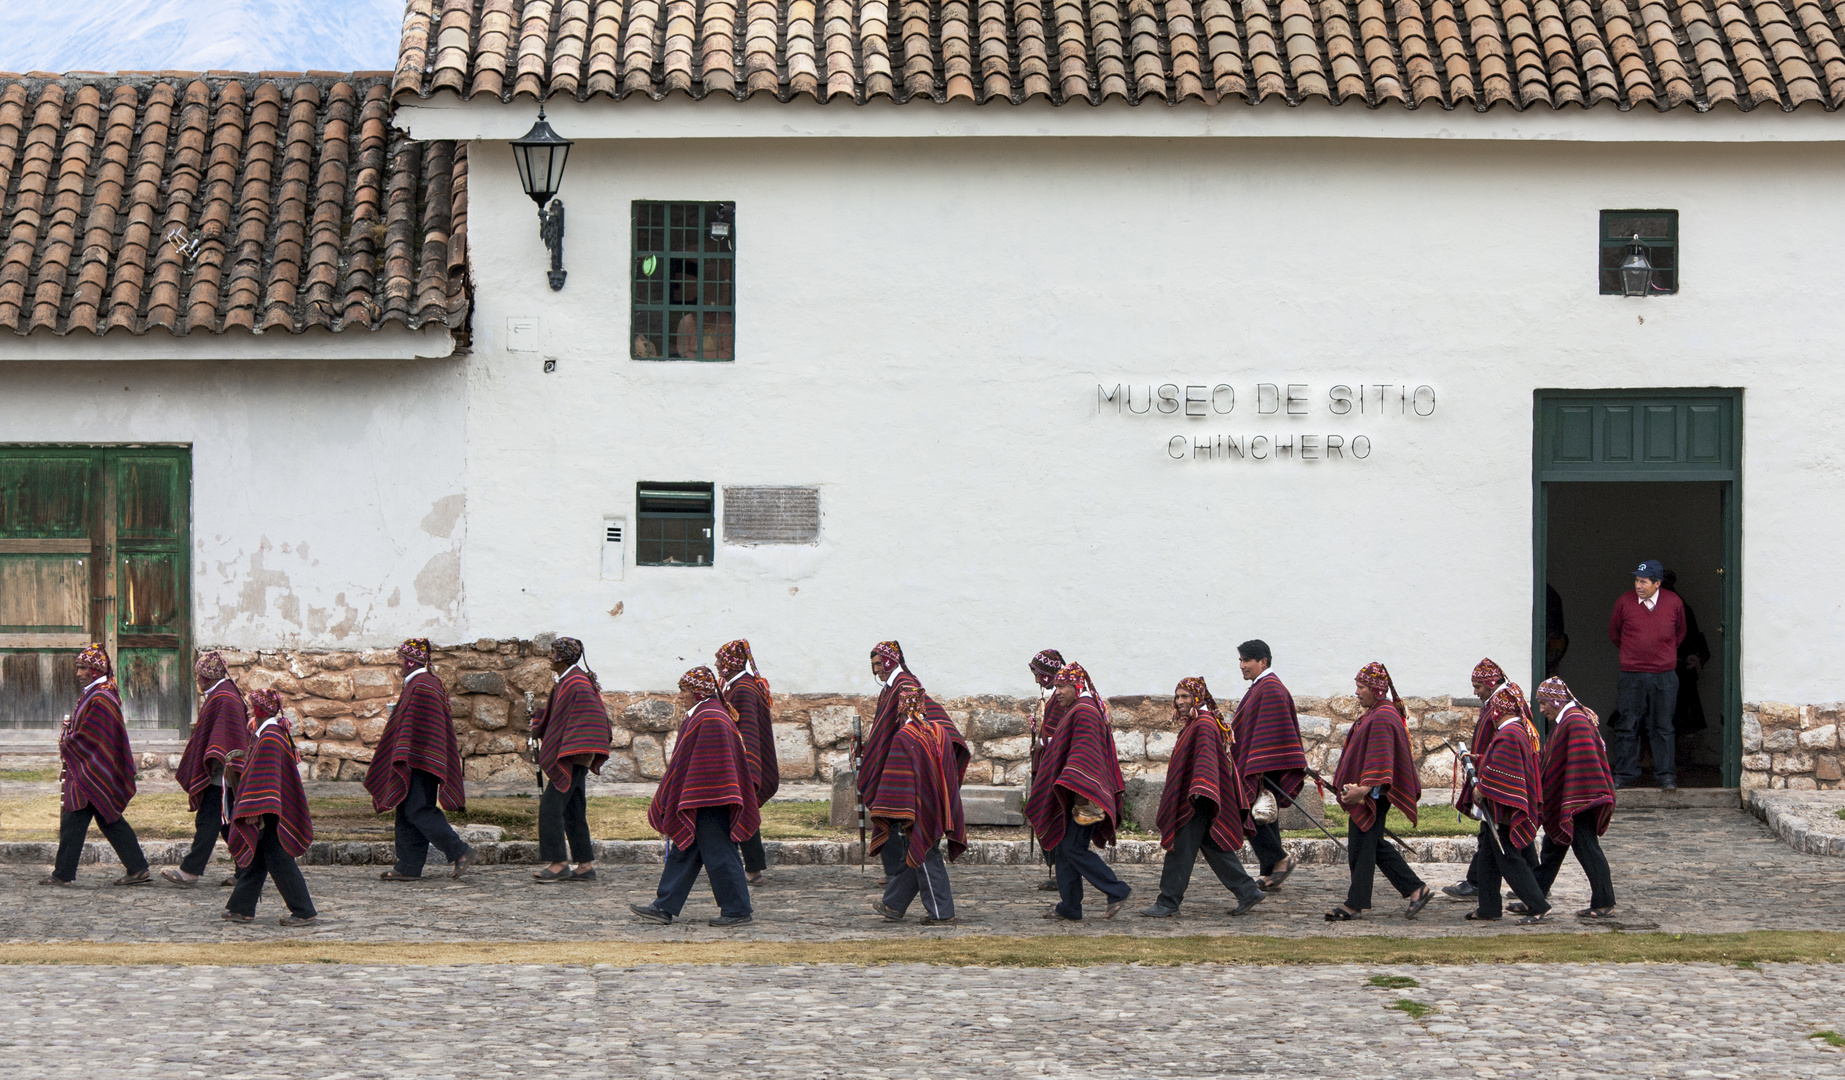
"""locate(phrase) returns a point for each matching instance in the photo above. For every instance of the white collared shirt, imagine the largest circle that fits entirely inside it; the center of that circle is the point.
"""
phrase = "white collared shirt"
(895, 671)
(1651, 602)
(94, 683)
(733, 679)
(1267, 673)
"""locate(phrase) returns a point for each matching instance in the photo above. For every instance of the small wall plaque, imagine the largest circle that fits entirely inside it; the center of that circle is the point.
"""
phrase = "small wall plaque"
(771, 515)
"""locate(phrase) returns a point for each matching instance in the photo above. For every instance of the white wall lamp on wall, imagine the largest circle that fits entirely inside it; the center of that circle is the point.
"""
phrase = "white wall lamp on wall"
(540, 156)
(1636, 270)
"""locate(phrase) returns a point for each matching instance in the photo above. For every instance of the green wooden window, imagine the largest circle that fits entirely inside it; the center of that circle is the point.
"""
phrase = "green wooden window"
(674, 524)
(684, 281)
(1657, 231)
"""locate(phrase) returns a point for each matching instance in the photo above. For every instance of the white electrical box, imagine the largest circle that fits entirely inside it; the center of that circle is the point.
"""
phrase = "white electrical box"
(614, 554)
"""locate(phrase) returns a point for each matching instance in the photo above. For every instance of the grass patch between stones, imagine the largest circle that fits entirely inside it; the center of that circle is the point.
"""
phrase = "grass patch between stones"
(1416, 1009)
(1831, 1038)
(1393, 982)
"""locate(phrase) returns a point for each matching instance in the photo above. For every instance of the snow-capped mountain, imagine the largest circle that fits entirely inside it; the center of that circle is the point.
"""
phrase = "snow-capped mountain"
(199, 35)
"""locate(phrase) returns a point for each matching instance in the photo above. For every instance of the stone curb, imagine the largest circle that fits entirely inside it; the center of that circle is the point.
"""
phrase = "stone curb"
(1801, 821)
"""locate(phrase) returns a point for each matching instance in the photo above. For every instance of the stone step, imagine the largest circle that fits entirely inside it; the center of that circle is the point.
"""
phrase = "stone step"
(1682, 799)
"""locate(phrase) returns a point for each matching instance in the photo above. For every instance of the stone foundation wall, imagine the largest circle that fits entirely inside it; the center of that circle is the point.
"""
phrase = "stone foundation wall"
(340, 701)
(1791, 746)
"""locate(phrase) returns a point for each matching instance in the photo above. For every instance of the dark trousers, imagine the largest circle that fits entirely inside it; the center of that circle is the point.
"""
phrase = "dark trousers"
(270, 861)
(1647, 700)
(1077, 861)
(207, 825)
(1366, 852)
(1588, 849)
(714, 851)
(892, 853)
(1194, 840)
(564, 816)
(1267, 839)
(1512, 868)
(420, 823)
(755, 857)
(74, 825)
(1529, 851)
(930, 879)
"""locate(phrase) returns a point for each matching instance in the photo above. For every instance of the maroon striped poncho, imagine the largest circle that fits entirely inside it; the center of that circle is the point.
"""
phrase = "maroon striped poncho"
(749, 696)
(1509, 783)
(223, 726)
(270, 784)
(922, 785)
(884, 725)
(1201, 768)
(99, 765)
(1493, 711)
(1377, 754)
(1575, 776)
(1079, 763)
(574, 723)
(419, 735)
(1266, 732)
(708, 768)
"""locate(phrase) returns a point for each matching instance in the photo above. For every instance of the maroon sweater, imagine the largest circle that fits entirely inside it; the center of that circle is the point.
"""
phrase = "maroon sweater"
(1648, 640)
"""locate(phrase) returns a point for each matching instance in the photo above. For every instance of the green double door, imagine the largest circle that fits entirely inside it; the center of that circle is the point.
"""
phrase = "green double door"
(94, 548)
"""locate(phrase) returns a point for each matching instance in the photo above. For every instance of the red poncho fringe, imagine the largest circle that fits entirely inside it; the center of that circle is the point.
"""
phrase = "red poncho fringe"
(419, 735)
(1509, 782)
(99, 765)
(922, 785)
(1377, 754)
(574, 723)
(1267, 739)
(708, 768)
(1079, 763)
(1576, 777)
(884, 725)
(271, 784)
(750, 697)
(224, 726)
(1201, 768)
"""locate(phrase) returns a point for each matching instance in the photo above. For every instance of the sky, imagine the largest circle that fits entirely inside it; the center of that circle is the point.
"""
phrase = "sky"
(199, 35)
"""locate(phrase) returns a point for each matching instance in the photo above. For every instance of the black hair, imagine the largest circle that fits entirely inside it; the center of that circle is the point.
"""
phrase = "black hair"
(1255, 649)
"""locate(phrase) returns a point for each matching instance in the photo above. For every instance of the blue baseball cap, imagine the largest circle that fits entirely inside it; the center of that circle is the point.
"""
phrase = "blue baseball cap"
(1651, 568)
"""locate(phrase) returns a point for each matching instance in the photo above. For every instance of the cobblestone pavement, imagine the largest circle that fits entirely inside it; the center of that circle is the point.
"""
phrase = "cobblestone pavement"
(1554, 1022)
(1681, 871)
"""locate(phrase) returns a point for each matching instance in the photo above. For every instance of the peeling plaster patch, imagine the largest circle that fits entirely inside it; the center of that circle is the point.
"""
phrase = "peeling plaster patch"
(397, 597)
(289, 608)
(253, 597)
(348, 623)
(438, 584)
(442, 516)
(317, 620)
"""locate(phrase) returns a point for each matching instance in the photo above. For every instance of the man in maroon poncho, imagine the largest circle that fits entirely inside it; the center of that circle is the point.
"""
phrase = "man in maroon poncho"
(99, 775)
(1267, 748)
(270, 827)
(1377, 772)
(416, 769)
(888, 666)
(748, 693)
(574, 735)
(1499, 697)
(1578, 796)
(918, 803)
(1044, 668)
(1509, 803)
(223, 728)
(705, 806)
(1202, 806)
(1076, 798)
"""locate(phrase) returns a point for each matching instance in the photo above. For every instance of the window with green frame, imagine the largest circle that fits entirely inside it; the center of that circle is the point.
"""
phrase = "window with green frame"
(684, 281)
(674, 523)
(1656, 231)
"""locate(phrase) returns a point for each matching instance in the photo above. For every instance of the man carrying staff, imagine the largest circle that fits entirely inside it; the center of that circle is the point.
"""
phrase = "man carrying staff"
(1202, 806)
(416, 769)
(574, 735)
(705, 806)
(1376, 772)
(888, 666)
(1044, 669)
(270, 827)
(1076, 799)
(1499, 698)
(748, 693)
(1269, 756)
(1578, 797)
(223, 728)
(1509, 802)
(99, 775)
(917, 805)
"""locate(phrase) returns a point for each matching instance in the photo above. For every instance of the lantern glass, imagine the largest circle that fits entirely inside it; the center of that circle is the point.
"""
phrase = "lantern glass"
(1636, 271)
(540, 157)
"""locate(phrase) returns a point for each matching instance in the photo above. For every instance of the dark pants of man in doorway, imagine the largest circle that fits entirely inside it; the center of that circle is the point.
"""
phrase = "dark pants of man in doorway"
(207, 825)
(563, 820)
(1588, 849)
(755, 857)
(1076, 860)
(1367, 853)
(74, 825)
(420, 823)
(1647, 700)
(716, 853)
(1512, 868)
(270, 861)
(906, 881)
(1193, 840)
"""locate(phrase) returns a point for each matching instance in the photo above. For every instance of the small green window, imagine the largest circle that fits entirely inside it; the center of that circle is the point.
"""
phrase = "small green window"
(674, 523)
(684, 281)
(1650, 234)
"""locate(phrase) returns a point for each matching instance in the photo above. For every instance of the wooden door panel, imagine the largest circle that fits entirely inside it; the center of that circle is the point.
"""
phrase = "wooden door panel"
(147, 499)
(46, 495)
(37, 689)
(44, 594)
(147, 593)
(154, 695)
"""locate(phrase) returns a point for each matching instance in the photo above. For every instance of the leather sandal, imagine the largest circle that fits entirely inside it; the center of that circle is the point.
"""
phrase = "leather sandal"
(393, 875)
(548, 875)
(1596, 913)
(142, 878)
(178, 877)
(1475, 916)
(1342, 914)
(1418, 902)
(461, 864)
(1274, 878)
(53, 879)
(237, 917)
(1541, 918)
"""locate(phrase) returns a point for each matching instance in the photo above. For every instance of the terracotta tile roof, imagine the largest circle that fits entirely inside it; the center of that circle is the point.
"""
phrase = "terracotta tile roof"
(1446, 53)
(211, 203)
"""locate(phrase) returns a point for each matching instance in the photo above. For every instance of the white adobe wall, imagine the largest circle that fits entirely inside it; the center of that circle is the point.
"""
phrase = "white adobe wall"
(922, 327)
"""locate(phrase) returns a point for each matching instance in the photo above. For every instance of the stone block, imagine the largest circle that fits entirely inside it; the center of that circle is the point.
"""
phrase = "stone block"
(1345, 706)
(1017, 748)
(829, 763)
(794, 751)
(843, 814)
(649, 758)
(1160, 745)
(1447, 719)
(984, 804)
(1801, 783)
(336, 686)
(650, 714)
(620, 737)
(341, 729)
(1754, 780)
(1751, 733)
(365, 710)
(959, 718)
(1826, 767)
(1142, 802)
(1780, 740)
(265, 679)
(988, 724)
(322, 708)
(327, 768)
(1437, 770)
(831, 724)
(384, 658)
(310, 728)
(533, 676)
(370, 731)
(482, 682)
(1760, 762)
(1315, 727)
(1303, 814)
(979, 771)
(1793, 763)
(620, 769)
(336, 661)
(351, 770)
(1779, 713)
(1131, 745)
(1820, 738)
(489, 713)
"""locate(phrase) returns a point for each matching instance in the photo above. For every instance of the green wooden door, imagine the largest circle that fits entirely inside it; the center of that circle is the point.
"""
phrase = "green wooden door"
(93, 547)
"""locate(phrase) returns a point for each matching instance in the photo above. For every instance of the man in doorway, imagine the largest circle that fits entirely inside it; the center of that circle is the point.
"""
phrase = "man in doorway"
(1647, 626)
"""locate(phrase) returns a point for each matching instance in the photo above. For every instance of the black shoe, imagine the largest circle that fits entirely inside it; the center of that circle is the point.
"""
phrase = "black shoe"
(649, 913)
(1159, 911)
(730, 920)
(930, 920)
(1461, 889)
(1668, 785)
(1242, 906)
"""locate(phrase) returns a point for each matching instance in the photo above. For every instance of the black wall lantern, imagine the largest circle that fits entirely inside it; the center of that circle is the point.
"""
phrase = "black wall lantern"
(540, 156)
(1636, 270)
